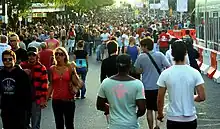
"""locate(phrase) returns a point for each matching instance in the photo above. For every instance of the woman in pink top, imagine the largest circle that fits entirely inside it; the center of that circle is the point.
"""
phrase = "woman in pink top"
(63, 103)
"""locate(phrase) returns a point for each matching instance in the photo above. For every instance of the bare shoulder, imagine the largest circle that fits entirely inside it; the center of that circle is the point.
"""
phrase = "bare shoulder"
(72, 64)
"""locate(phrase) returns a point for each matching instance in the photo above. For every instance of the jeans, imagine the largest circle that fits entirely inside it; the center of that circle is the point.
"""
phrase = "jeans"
(13, 119)
(71, 45)
(82, 72)
(64, 111)
(181, 125)
(98, 53)
(35, 116)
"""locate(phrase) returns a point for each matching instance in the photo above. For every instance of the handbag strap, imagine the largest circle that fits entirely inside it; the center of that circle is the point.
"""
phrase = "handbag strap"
(154, 63)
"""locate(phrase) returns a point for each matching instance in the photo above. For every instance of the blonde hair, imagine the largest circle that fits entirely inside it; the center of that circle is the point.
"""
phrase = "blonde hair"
(66, 60)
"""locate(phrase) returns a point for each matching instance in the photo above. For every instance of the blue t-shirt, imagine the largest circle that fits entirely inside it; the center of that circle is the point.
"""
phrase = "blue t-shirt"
(150, 74)
(122, 96)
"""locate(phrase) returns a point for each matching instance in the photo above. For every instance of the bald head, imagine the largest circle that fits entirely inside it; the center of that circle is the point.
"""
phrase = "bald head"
(3, 39)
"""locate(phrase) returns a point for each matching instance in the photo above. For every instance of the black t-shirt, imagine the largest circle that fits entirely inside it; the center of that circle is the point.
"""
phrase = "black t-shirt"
(109, 67)
(80, 54)
(21, 55)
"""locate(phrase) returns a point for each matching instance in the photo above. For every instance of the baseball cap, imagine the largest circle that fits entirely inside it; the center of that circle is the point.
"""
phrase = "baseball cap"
(123, 60)
(32, 50)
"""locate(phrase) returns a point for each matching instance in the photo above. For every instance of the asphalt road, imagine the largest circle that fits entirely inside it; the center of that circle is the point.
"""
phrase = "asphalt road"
(87, 117)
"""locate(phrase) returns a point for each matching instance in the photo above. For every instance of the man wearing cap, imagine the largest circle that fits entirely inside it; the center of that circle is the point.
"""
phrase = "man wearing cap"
(163, 41)
(38, 74)
(125, 96)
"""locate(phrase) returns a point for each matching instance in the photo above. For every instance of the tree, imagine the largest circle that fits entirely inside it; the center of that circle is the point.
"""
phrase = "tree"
(81, 6)
(16, 7)
(88, 4)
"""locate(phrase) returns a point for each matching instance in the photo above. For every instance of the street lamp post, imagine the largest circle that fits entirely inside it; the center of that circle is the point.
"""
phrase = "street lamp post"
(205, 25)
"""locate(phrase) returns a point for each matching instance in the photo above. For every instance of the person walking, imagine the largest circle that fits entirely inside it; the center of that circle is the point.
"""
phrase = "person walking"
(133, 51)
(180, 80)
(150, 64)
(15, 93)
(82, 64)
(39, 78)
(123, 93)
(63, 102)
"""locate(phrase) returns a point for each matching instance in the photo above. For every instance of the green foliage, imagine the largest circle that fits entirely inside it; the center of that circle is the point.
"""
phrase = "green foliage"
(82, 4)
(62, 2)
(17, 8)
(19, 5)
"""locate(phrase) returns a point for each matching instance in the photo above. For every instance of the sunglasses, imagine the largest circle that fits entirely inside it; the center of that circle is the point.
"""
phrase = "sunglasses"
(32, 54)
(59, 54)
(13, 40)
(7, 59)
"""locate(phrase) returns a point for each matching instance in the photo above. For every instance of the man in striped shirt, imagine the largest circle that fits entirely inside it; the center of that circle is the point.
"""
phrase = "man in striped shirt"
(38, 74)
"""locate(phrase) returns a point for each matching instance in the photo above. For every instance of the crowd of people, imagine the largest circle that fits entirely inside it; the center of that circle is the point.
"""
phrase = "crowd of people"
(172, 67)
(138, 65)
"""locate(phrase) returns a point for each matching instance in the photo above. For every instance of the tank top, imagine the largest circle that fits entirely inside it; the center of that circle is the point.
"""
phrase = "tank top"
(133, 52)
(60, 84)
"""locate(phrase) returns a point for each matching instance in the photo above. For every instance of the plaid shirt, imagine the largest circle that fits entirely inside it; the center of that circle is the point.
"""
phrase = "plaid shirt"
(39, 78)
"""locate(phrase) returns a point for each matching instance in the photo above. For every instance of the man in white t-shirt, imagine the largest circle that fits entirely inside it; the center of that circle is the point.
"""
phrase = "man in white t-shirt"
(34, 43)
(105, 36)
(170, 57)
(3, 46)
(125, 40)
(180, 80)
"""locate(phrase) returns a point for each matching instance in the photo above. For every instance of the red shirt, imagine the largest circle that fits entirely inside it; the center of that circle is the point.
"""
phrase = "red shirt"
(140, 31)
(60, 84)
(164, 39)
(71, 34)
(39, 79)
(46, 57)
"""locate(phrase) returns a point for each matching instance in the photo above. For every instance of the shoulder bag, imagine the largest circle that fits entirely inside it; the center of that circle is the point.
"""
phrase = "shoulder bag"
(75, 82)
(154, 63)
